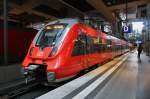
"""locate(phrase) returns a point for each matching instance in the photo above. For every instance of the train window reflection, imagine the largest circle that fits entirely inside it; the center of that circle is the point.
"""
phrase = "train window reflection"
(50, 34)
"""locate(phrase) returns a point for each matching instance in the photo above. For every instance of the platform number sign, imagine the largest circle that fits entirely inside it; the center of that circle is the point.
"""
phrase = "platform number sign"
(126, 29)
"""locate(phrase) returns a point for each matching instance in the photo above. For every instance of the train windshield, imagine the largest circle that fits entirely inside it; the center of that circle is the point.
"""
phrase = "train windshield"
(50, 34)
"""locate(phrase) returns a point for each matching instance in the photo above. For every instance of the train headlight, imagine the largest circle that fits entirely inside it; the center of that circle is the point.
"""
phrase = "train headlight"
(50, 76)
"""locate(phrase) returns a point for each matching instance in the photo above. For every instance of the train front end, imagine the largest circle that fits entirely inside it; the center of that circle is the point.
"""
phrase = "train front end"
(42, 60)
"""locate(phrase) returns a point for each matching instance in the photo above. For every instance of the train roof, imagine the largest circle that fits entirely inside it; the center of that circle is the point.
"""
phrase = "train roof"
(69, 21)
(72, 21)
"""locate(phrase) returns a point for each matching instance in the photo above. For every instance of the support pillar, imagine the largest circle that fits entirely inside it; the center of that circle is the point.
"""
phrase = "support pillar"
(5, 15)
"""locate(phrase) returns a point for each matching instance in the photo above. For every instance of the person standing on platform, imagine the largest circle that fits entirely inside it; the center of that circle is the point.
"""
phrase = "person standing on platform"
(140, 48)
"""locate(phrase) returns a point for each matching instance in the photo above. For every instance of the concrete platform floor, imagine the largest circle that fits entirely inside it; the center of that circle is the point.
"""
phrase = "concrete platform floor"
(131, 81)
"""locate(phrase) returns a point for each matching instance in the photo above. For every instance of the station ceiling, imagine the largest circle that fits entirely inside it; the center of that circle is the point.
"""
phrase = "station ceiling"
(27, 11)
(116, 2)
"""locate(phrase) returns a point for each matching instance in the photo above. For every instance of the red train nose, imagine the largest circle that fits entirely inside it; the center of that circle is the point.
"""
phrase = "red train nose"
(38, 53)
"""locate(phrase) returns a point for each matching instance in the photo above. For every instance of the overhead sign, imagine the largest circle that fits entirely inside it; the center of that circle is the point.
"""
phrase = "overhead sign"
(126, 29)
(138, 42)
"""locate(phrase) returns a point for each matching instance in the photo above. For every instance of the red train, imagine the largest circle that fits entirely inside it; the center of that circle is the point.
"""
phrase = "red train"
(19, 40)
(64, 47)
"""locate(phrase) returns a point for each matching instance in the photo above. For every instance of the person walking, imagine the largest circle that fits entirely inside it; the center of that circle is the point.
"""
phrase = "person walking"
(140, 48)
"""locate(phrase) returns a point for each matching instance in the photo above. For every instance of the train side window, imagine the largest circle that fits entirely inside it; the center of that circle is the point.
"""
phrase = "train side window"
(79, 45)
(90, 45)
(100, 49)
(104, 47)
(94, 45)
(86, 44)
(109, 43)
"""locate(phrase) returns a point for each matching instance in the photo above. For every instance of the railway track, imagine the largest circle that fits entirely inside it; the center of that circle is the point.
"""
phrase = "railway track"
(18, 87)
(30, 90)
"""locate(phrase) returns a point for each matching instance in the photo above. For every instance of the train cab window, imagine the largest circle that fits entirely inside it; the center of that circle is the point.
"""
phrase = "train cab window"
(50, 35)
(79, 45)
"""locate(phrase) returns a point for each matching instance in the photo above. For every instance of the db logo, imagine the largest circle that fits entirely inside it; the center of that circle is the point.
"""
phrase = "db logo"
(126, 28)
(40, 54)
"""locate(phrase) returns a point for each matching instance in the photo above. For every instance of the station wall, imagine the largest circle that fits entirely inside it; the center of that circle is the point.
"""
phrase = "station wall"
(19, 40)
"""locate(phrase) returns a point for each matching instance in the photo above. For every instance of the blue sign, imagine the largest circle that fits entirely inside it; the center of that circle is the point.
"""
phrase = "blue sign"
(138, 42)
(126, 29)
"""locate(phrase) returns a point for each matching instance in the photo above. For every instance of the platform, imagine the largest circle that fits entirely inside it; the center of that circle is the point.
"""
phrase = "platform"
(126, 77)
(10, 73)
